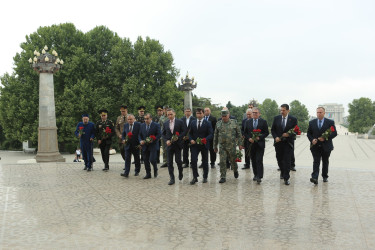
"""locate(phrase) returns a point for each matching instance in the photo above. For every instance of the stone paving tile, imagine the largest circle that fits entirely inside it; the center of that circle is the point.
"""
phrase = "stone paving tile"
(58, 205)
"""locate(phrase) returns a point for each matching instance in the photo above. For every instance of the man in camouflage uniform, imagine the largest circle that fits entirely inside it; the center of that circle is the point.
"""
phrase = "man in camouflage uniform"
(159, 114)
(141, 114)
(227, 135)
(104, 132)
(162, 120)
(121, 120)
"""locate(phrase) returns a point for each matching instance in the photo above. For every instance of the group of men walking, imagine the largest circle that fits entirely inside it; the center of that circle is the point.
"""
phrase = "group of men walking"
(142, 136)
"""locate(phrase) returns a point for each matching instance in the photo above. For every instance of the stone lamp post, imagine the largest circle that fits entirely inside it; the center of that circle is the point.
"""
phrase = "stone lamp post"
(187, 85)
(46, 65)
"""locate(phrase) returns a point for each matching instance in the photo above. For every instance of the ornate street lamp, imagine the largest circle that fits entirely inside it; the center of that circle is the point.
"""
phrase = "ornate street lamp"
(187, 85)
(46, 65)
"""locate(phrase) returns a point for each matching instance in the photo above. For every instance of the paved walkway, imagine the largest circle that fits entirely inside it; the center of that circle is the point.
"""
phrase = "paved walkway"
(58, 205)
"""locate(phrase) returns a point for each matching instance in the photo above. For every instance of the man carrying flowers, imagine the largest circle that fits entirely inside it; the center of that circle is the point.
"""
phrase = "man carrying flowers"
(85, 131)
(283, 134)
(201, 133)
(149, 137)
(104, 132)
(320, 133)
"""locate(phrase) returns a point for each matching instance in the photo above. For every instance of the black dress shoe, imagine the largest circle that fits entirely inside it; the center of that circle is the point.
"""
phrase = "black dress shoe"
(236, 174)
(164, 165)
(293, 169)
(281, 177)
(171, 182)
(155, 173)
(255, 178)
(222, 180)
(246, 167)
(286, 182)
(105, 169)
(193, 181)
(204, 180)
(212, 165)
(136, 174)
(89, 169)
(85, 168)
(315, 181)
(201, 166)
(278, 169)
(180, 176)
(325, 179)
(259, 180)
(125, 175)
(148, 176)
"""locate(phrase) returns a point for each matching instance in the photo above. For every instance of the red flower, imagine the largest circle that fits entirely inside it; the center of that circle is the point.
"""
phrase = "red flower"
(204, 141)
(332, 129)
(130, 134)
(80, 128)
(108, 130)
(153, 137)
(177, 133)
(296, 129)
(257, 130)
(299, 133)
(238, 160)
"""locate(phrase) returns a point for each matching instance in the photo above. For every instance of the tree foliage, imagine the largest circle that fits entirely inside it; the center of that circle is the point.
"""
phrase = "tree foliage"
(361, 115)
(101, 70)
(269, 109)
(300, 111)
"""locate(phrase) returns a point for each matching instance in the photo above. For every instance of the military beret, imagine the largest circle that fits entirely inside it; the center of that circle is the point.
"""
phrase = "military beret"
(141, 108)
(85, 115)
(224, 112)
(159, 107)
(103, 112)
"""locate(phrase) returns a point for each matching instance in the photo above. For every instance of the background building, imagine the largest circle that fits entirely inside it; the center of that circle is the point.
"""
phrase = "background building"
(334, 111)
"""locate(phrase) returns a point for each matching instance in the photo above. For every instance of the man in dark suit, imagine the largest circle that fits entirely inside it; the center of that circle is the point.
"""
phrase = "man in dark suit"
(150, 145)
(258, 143)
(283, 140)
(201, 129)
(131, 143)
(187, 119)
(212, 119)
(249, 113)
(320, 133)
(174, 128)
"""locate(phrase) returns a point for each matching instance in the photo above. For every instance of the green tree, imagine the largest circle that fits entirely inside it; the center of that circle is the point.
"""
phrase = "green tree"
(269, 109)
(300, 111)
(101, 70)
(361, 115)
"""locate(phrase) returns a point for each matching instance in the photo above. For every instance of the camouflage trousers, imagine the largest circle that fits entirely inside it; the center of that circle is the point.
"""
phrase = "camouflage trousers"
(227, 153)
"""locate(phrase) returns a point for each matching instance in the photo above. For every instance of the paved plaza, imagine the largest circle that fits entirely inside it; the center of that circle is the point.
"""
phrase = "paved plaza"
(60, 206)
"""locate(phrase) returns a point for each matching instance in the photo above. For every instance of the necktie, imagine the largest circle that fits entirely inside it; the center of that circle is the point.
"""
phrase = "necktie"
(320, 124)
(147, 128)
(131, 128)
(255, 124)
(199, 124)
(283, 123)
(206, 118)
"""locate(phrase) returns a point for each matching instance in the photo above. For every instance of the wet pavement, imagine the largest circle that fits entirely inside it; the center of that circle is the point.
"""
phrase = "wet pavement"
(58, 205)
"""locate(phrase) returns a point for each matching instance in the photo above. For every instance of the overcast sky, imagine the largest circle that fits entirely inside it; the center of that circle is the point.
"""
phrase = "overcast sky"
(313, 51)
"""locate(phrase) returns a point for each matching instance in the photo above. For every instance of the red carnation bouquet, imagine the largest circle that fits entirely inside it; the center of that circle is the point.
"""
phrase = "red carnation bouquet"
(128, 137)
(150, 139)
(80, 131)
(256, 133)
(201, 141)
(238, 155)
(328, 132)
(175, 137)
(292, 132)
(106, 132)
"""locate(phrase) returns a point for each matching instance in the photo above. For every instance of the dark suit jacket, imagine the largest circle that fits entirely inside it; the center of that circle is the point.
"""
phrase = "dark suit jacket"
(313, 132)
(134, 141)
(154, 130)
(277, 130)
(179, 126)
(243, 125)
(213, 121)
(205, 131)
(262, 125)
(192, 118)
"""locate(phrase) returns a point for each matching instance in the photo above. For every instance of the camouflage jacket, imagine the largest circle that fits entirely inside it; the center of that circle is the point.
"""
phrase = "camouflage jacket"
(227, 134)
